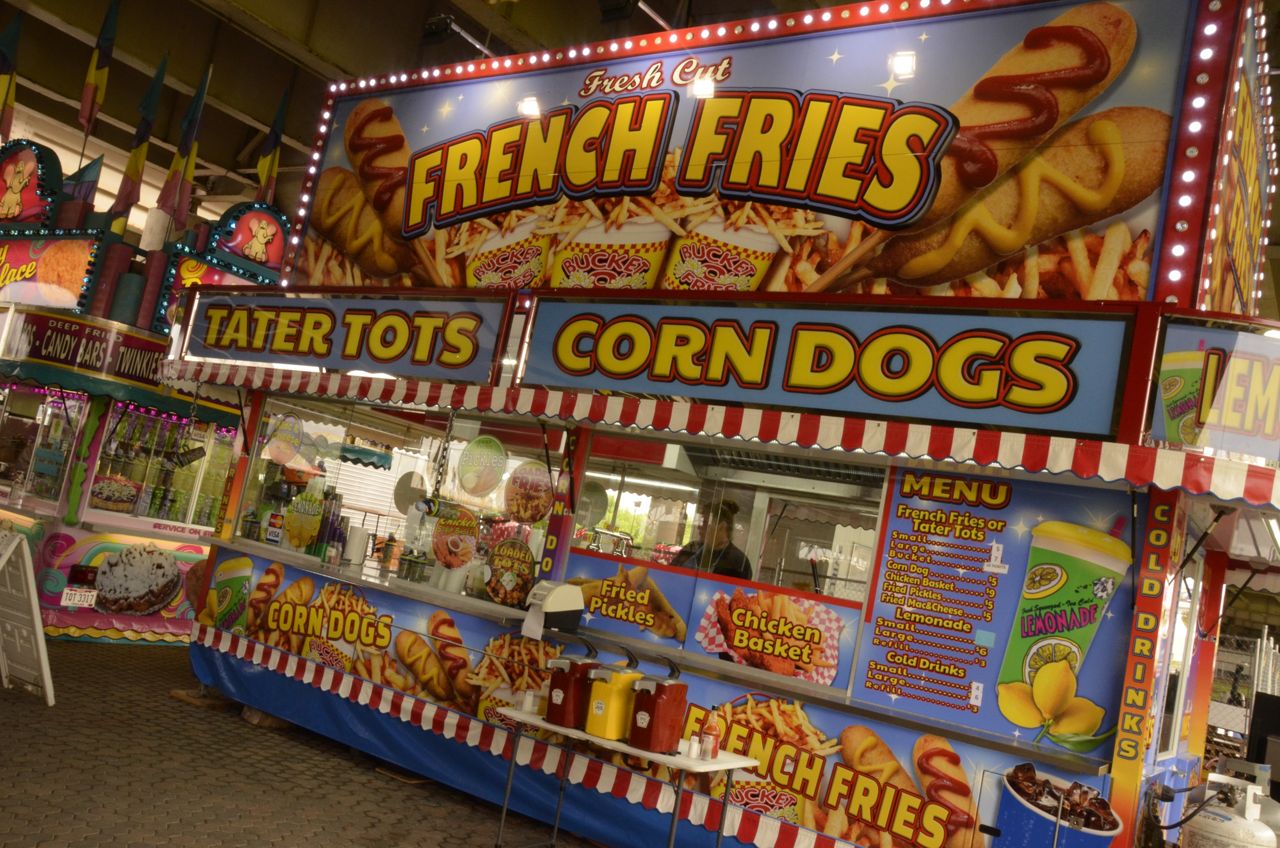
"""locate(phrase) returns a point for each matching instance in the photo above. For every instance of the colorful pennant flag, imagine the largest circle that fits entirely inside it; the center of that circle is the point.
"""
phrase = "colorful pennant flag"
(83, 184)
(95, 79)
(131, 183)
(269, 154)
(9, 74)
(175, 194)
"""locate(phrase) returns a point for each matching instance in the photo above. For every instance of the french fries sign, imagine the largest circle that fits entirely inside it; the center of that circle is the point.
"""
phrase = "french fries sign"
(871, 159)
(980, 369)
(442, 339)
(805, 157)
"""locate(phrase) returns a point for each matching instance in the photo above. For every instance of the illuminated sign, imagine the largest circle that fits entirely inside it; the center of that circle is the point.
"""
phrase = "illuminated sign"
(86, 345)
(805, 155)
(1038, 373)
(444, 338)
(1219, 388)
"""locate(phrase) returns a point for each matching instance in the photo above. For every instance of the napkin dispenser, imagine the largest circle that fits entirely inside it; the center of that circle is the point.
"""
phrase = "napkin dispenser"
(555, 605)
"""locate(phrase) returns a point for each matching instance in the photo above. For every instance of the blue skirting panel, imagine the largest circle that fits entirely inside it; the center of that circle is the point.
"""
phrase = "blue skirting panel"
(588, 813)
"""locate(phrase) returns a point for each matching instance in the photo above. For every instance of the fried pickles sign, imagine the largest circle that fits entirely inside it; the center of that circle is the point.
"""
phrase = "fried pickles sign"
(762, 157)
(1027, 373)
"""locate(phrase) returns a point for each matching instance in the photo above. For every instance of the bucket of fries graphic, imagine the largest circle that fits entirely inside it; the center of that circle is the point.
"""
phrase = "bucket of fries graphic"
(717, 257)
(611, 251)
(510, 260)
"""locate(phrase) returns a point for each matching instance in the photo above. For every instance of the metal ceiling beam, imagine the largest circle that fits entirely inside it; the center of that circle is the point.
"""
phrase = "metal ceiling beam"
(487, 16)
(281, 43)
(205, 164)
(89, 38)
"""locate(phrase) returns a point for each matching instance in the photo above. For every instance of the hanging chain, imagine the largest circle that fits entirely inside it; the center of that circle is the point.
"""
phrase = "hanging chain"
(442, 455)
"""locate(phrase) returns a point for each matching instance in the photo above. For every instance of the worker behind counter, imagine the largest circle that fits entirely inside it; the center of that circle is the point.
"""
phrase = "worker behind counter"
(715, 550)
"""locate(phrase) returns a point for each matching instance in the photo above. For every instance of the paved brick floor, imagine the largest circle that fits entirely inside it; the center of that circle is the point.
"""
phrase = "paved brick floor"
(117, 763)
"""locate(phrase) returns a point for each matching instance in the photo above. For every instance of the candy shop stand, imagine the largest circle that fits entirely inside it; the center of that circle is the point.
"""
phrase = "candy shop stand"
(984, 460)
(110, 475)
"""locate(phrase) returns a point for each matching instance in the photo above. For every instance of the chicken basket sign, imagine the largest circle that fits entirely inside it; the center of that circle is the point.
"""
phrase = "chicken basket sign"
(807, 155)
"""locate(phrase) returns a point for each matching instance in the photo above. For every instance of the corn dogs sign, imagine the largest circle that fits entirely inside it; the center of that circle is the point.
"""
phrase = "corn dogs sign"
(442, 339)
(1012, 371)
(767, 159)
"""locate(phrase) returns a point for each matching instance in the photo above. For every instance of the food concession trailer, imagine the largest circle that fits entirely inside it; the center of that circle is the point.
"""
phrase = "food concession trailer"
(956, 354)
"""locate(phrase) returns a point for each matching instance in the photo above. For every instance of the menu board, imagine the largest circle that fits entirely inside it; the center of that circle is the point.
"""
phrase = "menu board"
(994, 603)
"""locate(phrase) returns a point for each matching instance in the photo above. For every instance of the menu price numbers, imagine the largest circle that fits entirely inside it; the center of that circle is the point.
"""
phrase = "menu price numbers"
(975, 694)
(79, 596)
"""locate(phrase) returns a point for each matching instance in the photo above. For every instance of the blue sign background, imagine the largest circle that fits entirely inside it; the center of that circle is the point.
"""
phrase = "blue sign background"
(492, 315)
(1096, 365)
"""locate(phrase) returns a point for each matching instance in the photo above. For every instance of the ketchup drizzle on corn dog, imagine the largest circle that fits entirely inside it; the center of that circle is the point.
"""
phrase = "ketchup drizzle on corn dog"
(943, 782)
(388, 179)
(977, 161)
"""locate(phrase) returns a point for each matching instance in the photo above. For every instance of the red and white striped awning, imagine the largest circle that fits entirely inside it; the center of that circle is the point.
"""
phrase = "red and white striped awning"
(1138, 465)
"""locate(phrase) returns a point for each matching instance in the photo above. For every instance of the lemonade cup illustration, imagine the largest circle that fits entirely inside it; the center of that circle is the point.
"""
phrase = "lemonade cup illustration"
(1180, 395)
(1072, 574)
(230, 586)
(514, 260)
(628, 257)
(717, 258)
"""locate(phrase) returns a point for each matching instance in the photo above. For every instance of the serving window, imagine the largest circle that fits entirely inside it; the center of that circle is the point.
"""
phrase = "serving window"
(38, 432)
(162, 466)
(461, 502)
(800, 523)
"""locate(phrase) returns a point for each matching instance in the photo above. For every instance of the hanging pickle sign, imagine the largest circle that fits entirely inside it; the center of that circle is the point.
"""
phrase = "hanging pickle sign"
(481, 466)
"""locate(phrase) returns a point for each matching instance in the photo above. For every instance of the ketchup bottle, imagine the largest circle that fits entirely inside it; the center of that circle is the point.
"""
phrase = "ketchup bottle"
(710, 738)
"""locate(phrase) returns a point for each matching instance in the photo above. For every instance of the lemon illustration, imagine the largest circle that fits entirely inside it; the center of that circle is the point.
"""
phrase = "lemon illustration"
(1170, 386)
(1050, 650)
(1043, 581)
(1188, 431)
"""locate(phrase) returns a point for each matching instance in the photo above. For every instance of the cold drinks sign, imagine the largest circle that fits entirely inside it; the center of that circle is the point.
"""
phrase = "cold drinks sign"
(1029, 373)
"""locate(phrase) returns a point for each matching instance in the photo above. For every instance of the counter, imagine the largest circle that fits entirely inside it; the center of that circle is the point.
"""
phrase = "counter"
(387, 646)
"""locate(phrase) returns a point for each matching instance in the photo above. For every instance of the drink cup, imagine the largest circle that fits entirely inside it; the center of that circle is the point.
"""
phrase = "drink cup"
(1180, 396)
(1072, 573)
(715, 258)
(628, 257)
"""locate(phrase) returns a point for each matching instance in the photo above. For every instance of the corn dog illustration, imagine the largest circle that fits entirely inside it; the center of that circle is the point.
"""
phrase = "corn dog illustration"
(453, 655)
(1096, 167)
(1026, 96)
(862, 750)
(379, 154)
(342, 215)
(945, 782)
(423, 665)
(261, 596)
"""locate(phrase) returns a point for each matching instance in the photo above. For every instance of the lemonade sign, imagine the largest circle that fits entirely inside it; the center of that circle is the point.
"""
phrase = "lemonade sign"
(1072, 573)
